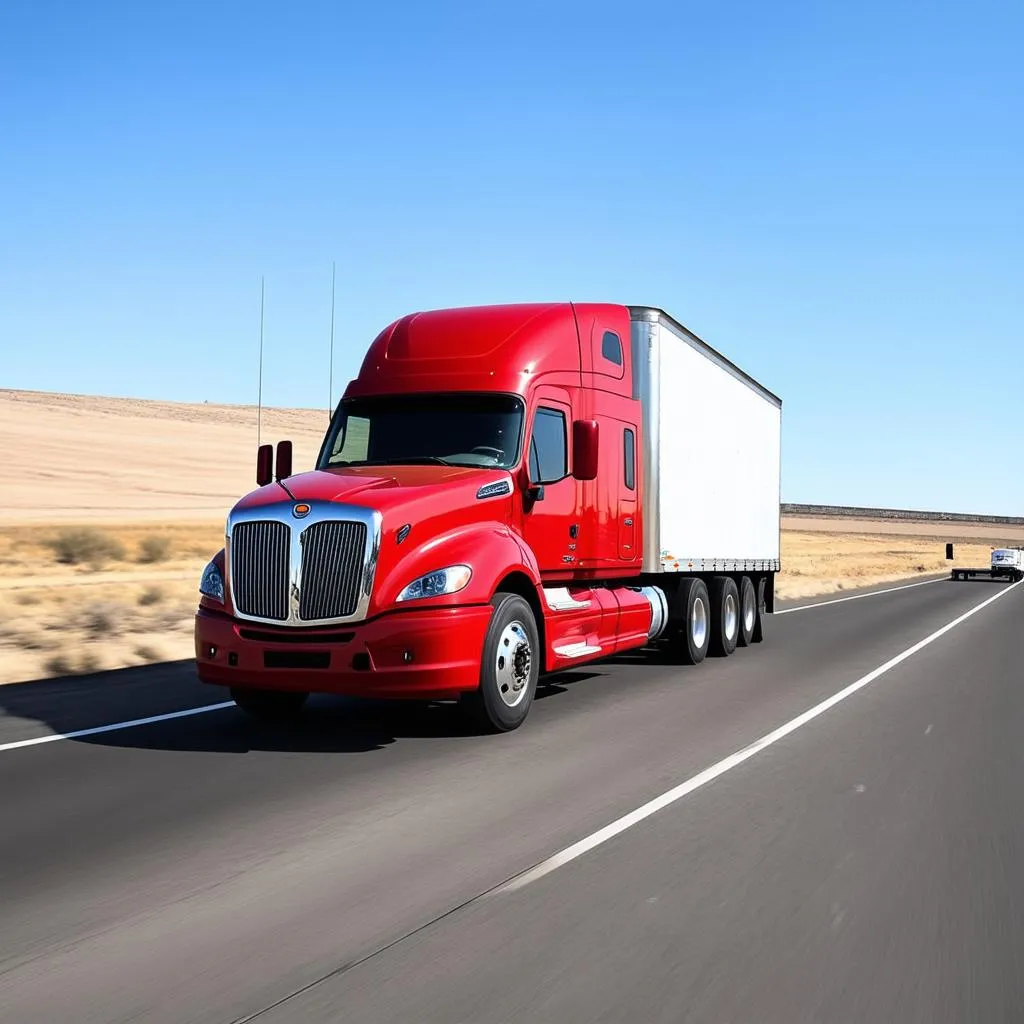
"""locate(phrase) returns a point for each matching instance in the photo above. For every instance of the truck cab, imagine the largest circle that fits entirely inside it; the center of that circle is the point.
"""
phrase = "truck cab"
(1008, 563)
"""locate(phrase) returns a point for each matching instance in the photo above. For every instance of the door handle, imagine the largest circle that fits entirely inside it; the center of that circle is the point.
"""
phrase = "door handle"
(628, 522)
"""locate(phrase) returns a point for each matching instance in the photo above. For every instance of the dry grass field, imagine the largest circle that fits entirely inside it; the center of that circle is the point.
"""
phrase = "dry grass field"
(110, 508)
(825, 562)
(74, 459)
(82, 598)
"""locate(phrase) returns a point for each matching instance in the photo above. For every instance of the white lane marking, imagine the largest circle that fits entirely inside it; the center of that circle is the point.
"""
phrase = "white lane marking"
(857, 597)
(627, 821)
(114, 727)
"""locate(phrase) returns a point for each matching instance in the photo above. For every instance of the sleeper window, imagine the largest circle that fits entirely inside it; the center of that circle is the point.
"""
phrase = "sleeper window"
(611, 348)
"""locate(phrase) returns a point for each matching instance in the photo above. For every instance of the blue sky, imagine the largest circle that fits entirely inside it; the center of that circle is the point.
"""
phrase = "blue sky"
(830, 194)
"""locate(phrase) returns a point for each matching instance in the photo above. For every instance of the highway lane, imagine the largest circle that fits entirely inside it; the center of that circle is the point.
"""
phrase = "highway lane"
(203, 869)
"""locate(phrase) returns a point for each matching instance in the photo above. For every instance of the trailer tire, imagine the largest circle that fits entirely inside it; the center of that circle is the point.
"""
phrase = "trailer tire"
(269, 705)
(762, 586)
(749, 612)
(691, 622)
(509, 667)
(725, 615)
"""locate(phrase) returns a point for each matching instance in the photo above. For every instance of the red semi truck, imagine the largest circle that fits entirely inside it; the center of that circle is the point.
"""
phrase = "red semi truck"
(503, 492)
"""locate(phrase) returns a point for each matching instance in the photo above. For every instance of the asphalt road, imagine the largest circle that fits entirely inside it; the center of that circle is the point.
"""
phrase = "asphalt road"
(865, 864)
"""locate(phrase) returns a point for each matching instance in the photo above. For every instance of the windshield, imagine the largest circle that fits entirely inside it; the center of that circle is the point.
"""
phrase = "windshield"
(451, 429)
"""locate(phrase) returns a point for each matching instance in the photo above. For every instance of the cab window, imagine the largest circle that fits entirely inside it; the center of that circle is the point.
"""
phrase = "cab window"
(548, 448)
(611, 348)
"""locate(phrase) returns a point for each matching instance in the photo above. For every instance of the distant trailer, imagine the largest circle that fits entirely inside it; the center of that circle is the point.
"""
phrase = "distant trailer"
(1007, 563)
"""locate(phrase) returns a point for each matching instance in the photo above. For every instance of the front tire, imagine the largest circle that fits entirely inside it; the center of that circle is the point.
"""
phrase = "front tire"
(269, 705)
(509, 666)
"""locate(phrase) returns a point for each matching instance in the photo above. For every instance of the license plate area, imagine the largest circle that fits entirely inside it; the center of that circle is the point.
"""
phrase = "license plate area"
(297, 659)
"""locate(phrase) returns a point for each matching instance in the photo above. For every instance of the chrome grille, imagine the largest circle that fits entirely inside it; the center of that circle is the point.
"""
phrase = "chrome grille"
(259, 569)
(332, 569)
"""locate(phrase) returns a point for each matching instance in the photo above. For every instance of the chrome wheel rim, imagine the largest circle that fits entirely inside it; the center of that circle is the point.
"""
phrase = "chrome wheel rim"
(748, 614)
(512, 663)
(699, 623)
(731, 617)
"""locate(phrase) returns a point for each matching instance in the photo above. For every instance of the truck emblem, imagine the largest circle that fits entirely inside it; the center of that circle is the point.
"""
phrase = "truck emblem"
(300, 511)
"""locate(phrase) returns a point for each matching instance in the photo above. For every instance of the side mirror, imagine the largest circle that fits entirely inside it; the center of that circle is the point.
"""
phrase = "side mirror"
(584, 449)
(284, 459)
(264, 464)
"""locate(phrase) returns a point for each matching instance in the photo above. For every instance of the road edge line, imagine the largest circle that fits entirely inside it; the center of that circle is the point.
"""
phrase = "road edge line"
(35, 741)
(858, 597)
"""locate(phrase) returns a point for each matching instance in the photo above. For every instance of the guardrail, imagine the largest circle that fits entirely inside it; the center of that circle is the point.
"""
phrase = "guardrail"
(906, 515)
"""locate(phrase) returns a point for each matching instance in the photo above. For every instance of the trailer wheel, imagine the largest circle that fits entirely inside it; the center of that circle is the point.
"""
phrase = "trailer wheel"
(691, 622)
(748, 612)
(725, 615)
(269, 705)
(762, 586)
(509, 667)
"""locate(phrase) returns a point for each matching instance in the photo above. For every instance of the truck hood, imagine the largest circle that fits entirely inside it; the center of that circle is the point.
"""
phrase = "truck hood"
(385, 488)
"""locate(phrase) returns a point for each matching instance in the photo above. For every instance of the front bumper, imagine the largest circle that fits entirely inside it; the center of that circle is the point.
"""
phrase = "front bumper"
(431, 654)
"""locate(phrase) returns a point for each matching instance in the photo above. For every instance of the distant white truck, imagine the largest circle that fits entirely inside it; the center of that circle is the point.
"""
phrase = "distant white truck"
(1007, 563)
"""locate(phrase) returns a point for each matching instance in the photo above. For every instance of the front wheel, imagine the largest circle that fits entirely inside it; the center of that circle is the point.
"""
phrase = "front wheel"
(269, 705)
(509, 667)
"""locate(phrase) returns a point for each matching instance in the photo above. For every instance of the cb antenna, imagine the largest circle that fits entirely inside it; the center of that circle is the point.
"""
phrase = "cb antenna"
(330, 372)
(259, 386)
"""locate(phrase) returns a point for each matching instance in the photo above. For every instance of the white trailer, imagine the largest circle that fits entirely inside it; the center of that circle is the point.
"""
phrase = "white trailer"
(712, 457)
(712, 466)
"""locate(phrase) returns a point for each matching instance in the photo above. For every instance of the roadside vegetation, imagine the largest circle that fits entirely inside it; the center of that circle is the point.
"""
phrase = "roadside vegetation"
(84, 598)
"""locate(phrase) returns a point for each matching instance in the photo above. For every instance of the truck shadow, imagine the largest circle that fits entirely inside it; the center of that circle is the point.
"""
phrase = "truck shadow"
(656, 654)
(327, 724)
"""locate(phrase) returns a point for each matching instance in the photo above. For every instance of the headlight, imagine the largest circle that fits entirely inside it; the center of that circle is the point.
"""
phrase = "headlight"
(212, 583)
(434, 584)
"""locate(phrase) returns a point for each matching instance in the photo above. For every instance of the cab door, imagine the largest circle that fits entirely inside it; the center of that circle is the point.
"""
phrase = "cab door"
(549, 516)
